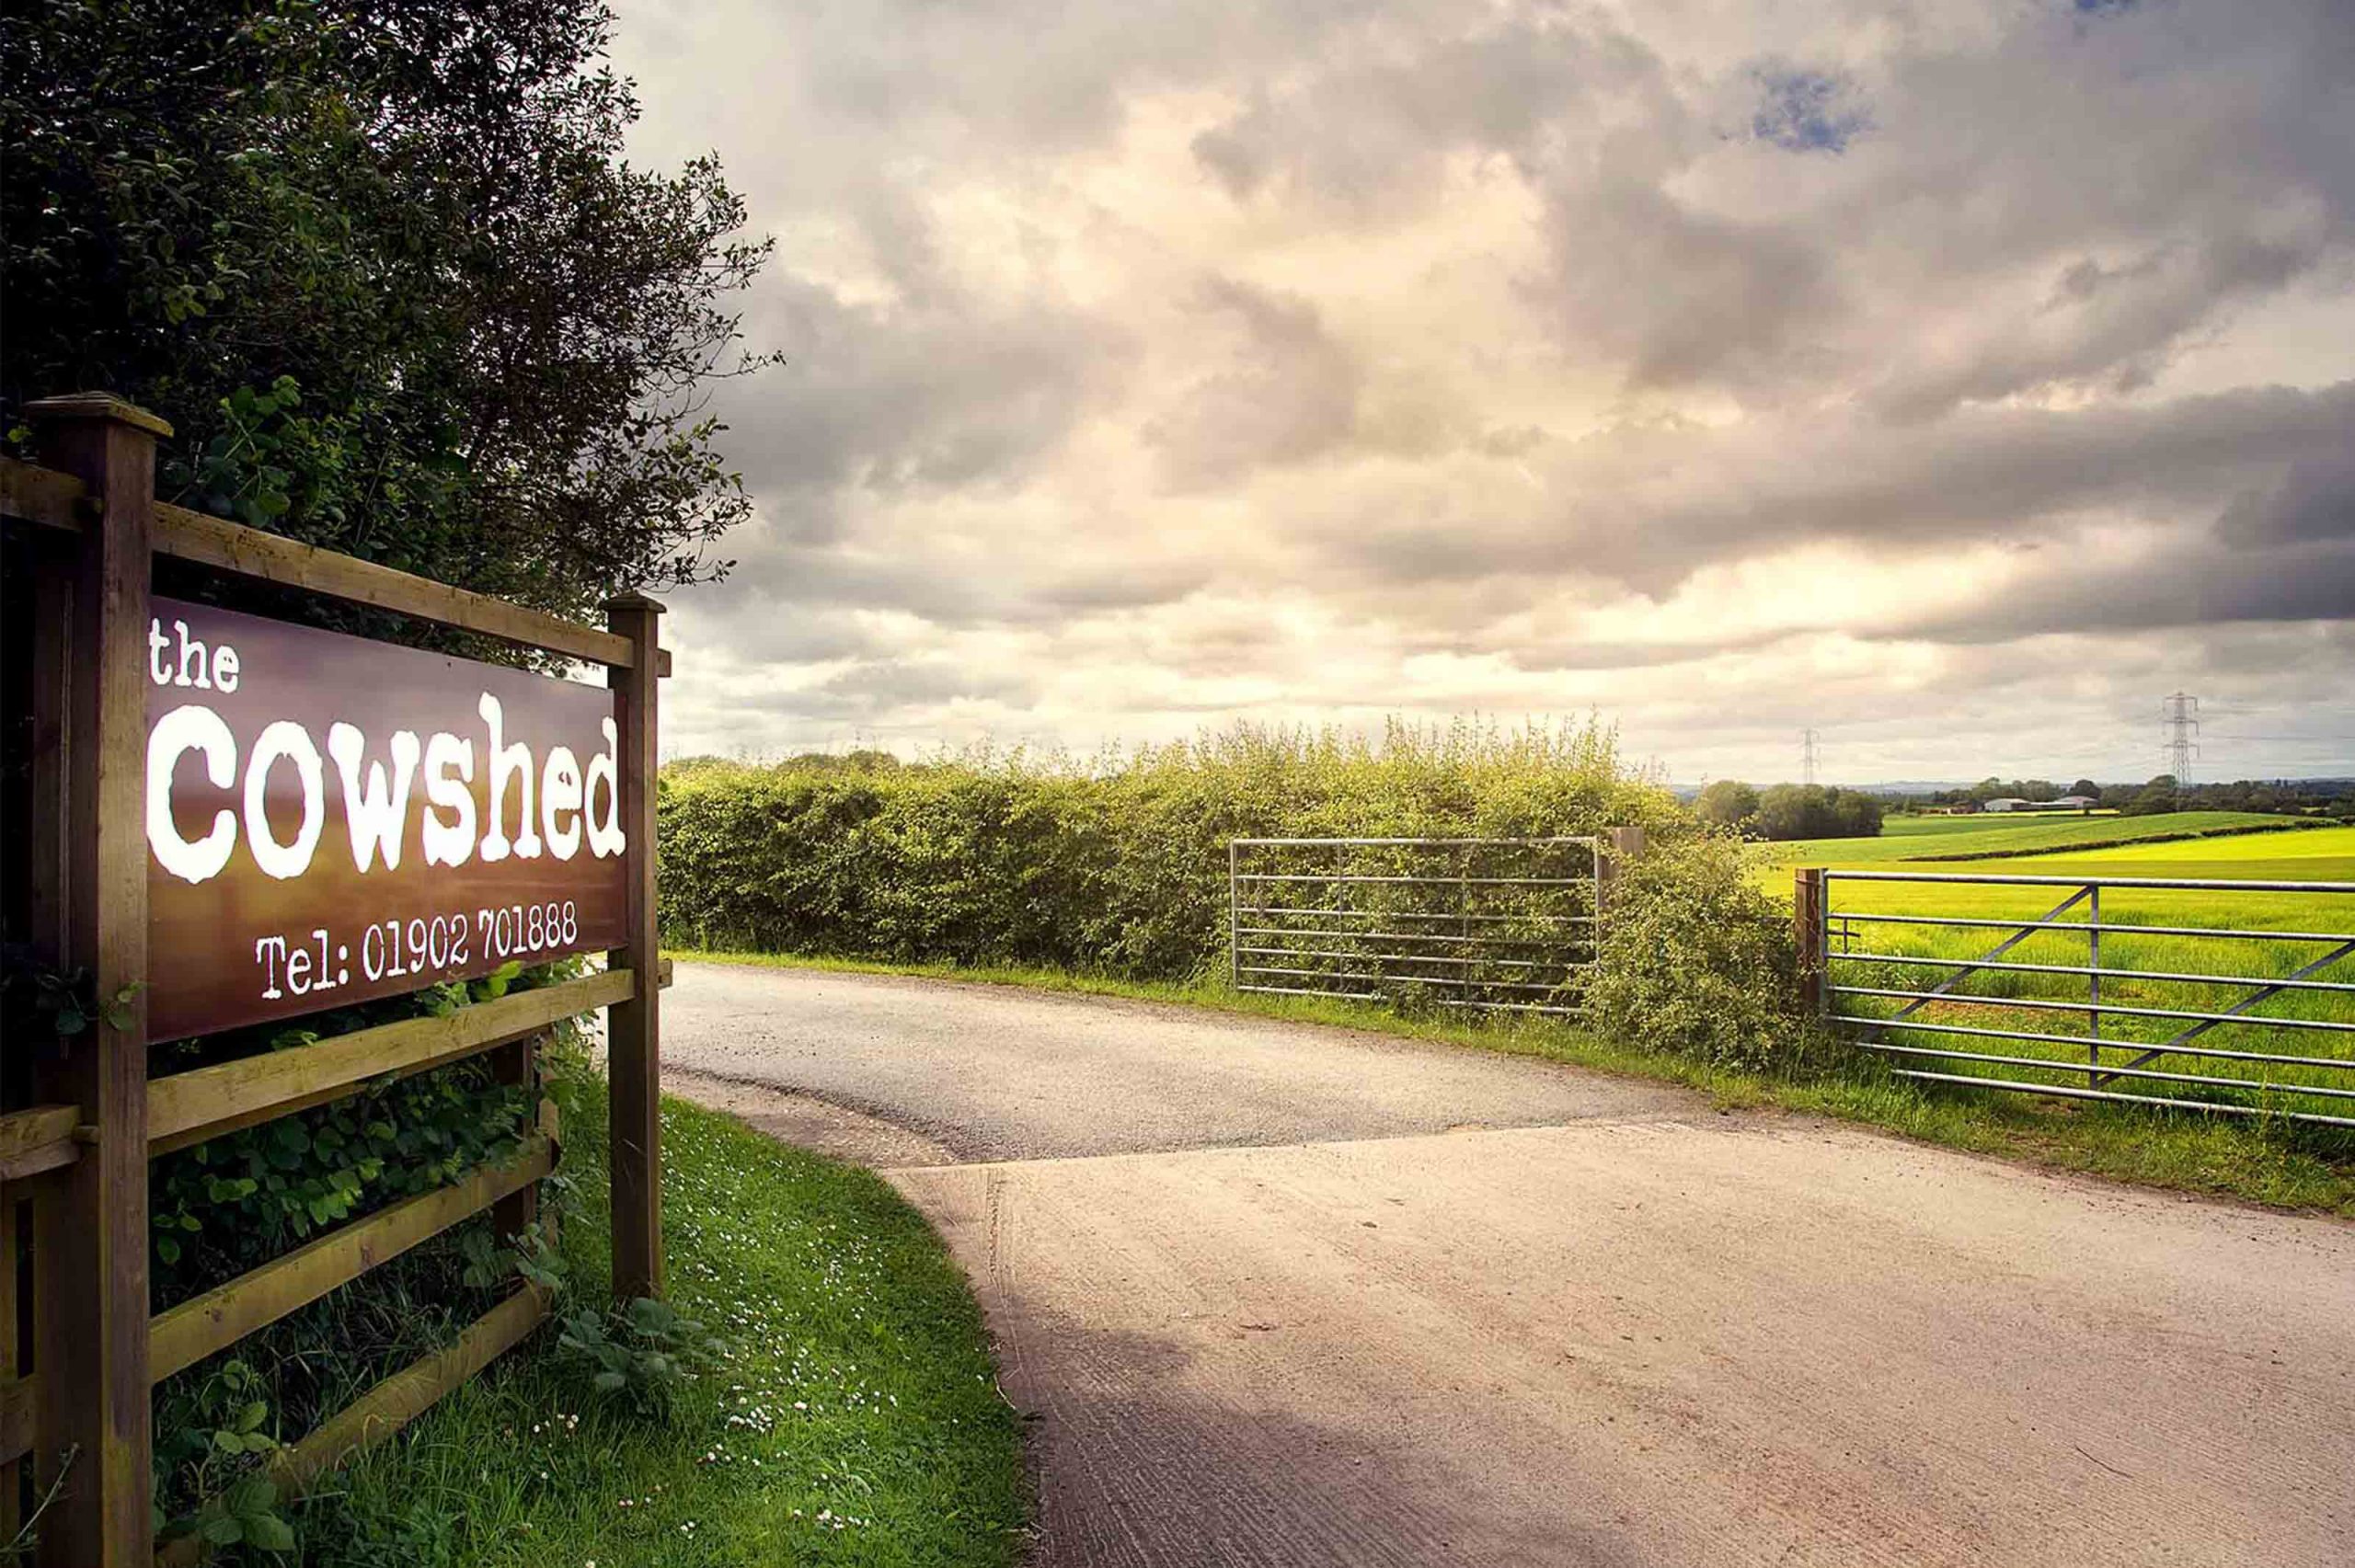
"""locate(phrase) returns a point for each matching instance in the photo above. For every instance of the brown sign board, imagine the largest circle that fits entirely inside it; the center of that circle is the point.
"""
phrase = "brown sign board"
(331, 820)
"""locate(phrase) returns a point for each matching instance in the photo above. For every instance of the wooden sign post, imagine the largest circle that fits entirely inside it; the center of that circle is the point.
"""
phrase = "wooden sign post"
(90, 1229)
(633, 1054)
(232, 819)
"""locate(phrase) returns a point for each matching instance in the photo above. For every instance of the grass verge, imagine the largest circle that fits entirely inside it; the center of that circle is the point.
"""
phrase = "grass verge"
(2186, 1151)
(858, 1420)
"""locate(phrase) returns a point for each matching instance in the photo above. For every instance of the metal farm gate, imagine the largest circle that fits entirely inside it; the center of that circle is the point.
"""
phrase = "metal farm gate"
(1483, 924)
(2226, 997)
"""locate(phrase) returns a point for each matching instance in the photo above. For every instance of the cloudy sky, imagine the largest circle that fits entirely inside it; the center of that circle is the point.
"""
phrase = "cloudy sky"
(1957, 379)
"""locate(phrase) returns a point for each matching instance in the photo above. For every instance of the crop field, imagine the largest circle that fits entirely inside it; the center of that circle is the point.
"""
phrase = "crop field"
(1919, 838)
(2183, 1031)
(1900, 826)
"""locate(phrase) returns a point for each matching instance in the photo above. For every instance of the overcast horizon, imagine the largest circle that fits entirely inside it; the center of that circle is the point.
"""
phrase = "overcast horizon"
(1955, 380)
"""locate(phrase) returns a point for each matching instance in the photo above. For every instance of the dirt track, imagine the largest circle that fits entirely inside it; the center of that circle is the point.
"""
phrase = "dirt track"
(1304, 1323)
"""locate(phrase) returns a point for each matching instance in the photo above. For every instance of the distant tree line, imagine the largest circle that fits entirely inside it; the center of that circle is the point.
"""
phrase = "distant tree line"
(2333, 797)
(1790, 811)
(1783, 812)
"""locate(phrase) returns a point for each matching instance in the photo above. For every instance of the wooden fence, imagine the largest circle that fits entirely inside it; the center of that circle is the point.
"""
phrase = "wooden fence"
(79, 1350)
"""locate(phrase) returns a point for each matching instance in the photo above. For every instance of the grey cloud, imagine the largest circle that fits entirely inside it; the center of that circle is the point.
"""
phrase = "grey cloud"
(2113, 327)
(1287, 393)
(2199, 146)
(882, 693)
(1373, 125)
(895, 399)
(758, 628)
(2196, 585)
(1235, 156)
(1566, 654)
(964, 591)
(1647, 507)
(794, 599)
(1119, 588)
(2002, 472)
(888, 685)
(2315, 500)
(2185, 162)
(1978, 474)
(1676, 295)
(1236, 644)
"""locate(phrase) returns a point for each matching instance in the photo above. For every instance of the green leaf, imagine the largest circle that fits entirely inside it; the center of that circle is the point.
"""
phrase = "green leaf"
(270, 1533)
(255, 1494)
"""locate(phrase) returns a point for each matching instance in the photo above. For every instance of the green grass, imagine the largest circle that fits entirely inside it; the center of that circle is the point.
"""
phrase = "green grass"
(1927, 827)
(2003, 834)
(2190, 1151)
(858, 1422)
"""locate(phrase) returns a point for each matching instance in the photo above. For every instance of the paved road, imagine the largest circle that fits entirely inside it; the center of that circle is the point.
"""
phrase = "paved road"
(996, 1073)
(1290, 1296)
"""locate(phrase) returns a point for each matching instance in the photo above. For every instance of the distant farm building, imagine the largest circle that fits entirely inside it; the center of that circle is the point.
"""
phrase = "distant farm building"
(2008, 802)
(2066, 803)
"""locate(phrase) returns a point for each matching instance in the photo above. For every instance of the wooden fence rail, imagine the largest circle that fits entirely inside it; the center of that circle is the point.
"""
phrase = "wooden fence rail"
(74, 1394)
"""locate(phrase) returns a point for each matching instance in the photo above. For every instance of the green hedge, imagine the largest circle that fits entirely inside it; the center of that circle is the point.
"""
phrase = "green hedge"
(1698, 961)
(1118, 866)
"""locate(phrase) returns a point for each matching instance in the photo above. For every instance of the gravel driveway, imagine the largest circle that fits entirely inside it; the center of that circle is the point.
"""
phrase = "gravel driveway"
(1284, 1294)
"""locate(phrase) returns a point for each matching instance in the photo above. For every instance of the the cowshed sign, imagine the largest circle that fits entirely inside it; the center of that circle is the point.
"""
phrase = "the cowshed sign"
(331, 820)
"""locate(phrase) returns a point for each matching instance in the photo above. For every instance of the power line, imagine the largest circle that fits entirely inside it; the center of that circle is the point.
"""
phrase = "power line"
(2179, 716)
(2297, 739)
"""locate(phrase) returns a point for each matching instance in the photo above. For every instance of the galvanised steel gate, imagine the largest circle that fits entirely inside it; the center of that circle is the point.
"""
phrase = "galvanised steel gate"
(2235, 997)
(1485, 924)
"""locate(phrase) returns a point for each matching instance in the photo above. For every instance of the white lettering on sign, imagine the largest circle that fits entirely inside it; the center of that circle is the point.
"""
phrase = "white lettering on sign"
(449, 768)
(190, 728)
(375, 786)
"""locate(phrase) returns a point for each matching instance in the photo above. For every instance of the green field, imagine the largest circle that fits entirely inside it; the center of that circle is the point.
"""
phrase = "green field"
(2309, 854)
(1920, 838)
(2314, 1024)
(1899, 827)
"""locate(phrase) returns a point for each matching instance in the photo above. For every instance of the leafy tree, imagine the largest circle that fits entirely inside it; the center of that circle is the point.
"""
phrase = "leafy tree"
(2155, 797)
(382, 264)
(1813, 812)
(2087, 788)
(1729, 803)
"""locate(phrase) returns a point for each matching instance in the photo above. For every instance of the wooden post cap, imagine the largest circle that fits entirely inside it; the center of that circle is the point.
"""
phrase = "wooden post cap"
(630, 599)
(99, 406)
